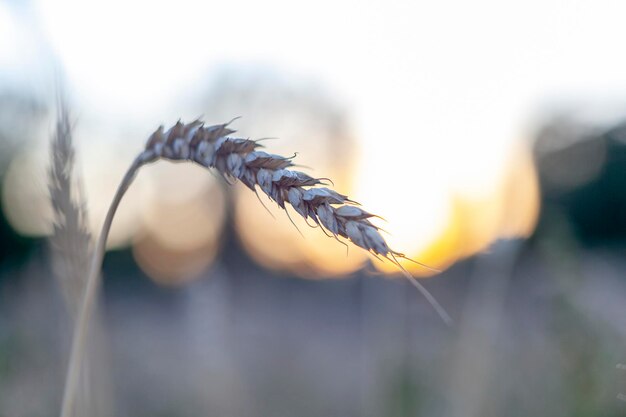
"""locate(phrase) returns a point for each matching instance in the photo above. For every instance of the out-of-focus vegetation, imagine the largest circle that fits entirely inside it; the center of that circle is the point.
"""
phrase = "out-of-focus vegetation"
(539, 326)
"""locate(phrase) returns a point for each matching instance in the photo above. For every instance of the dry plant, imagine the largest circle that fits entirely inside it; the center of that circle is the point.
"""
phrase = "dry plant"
(71, 242)
(71, 246)
(239, 159)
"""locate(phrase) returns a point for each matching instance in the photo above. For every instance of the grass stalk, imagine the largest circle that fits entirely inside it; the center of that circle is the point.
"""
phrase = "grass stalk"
(81, 326)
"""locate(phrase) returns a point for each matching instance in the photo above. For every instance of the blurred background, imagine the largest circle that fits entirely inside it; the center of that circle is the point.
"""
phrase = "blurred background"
(490, 135)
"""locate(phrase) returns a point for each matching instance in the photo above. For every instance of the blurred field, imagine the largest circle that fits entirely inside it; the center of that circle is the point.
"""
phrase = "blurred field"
(539, 331)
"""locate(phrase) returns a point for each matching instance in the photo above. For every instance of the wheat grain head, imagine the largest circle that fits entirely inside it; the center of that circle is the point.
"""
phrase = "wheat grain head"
(241, 159)
(70, 240)
(71, 251)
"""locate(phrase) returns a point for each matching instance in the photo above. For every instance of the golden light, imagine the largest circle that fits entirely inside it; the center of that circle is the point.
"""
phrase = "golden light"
(321, 138)
(100, 172)
(25, 195)
(181, 221)
(275, 242)
(172, 266)
(508, 210)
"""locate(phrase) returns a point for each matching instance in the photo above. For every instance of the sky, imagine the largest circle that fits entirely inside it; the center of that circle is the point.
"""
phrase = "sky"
(442, 98)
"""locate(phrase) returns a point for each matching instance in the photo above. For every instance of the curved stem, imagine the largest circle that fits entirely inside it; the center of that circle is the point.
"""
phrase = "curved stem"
(81, 325)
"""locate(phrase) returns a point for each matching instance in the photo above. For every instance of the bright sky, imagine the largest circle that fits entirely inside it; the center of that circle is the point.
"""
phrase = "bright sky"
(440, 92)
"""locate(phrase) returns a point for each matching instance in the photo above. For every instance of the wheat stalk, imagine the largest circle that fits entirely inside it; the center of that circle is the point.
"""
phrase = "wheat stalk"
(71, 252)
(240, 159)
(71, 242)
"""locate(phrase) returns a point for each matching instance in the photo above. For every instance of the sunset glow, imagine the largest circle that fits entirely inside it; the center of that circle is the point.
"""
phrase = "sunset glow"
(439, 125)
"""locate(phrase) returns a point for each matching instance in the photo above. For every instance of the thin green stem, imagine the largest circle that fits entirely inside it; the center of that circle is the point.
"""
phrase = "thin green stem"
(81, 325)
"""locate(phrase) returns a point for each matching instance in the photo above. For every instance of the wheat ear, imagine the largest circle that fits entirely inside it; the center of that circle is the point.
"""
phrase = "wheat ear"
(71, 249)
(70, 241)
(240, 159)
